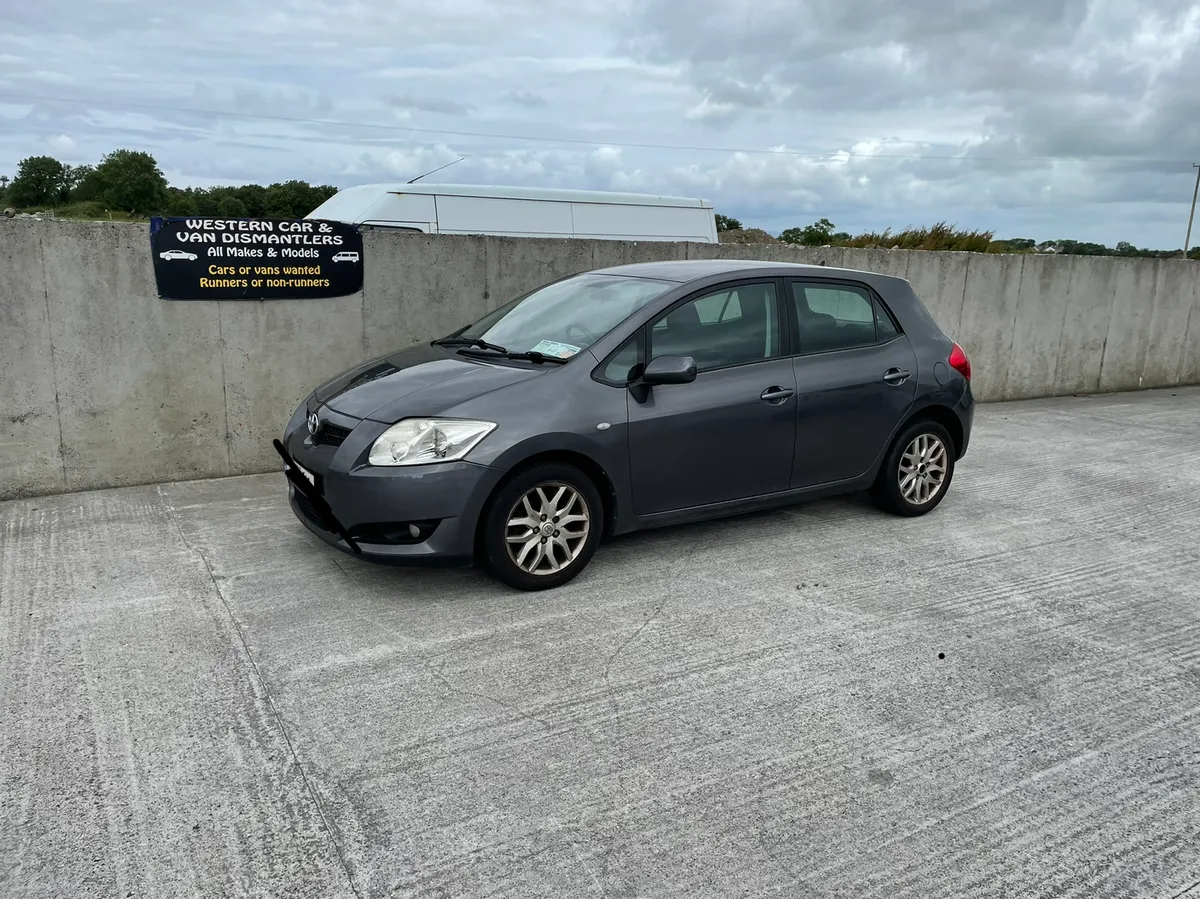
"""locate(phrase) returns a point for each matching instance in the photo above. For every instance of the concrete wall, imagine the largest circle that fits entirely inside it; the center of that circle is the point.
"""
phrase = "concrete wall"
(103, 384)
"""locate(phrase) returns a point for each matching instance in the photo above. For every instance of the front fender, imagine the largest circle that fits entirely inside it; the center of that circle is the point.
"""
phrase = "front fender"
(607, 454)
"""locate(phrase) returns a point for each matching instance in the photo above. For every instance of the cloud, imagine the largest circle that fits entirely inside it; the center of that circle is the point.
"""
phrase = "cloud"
(1040, 118)
(709, 110)
(525, 98)
(430, 104)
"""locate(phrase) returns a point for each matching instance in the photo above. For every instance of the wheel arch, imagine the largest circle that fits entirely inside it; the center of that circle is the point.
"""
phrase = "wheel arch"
(944, 416)
(585, 463)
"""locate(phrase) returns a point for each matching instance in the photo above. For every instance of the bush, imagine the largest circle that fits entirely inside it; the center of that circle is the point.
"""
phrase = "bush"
(938, 237)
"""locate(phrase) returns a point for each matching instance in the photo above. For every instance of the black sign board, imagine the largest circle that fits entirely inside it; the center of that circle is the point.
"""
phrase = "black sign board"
(205, 258)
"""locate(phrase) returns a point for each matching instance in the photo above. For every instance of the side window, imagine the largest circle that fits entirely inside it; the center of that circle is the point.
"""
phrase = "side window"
(837, 317)
(843, 303)
(714, 307)
(722, 328)
(719, 307)
(885, 328)
(620, 365)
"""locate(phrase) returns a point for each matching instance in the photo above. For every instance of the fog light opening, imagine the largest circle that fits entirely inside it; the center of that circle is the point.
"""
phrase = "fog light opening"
(395, 533)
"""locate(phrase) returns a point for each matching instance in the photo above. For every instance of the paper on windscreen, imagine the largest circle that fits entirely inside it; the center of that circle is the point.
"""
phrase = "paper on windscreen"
(554, 348)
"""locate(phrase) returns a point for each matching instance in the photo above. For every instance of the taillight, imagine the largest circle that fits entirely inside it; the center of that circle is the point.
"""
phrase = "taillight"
(959, 362)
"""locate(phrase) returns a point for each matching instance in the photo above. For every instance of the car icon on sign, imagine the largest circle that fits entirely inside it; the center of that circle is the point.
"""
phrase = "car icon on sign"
(177, 254)
(345, 256)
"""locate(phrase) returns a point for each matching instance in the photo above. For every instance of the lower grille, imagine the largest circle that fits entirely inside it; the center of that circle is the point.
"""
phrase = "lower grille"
(309, 511)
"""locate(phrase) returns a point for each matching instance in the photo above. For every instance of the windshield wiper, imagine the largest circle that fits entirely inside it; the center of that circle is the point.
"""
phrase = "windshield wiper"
(539, 358)
(469, 341)
(536, 357)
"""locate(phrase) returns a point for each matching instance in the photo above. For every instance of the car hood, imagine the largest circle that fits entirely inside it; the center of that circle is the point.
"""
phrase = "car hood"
(420, 380)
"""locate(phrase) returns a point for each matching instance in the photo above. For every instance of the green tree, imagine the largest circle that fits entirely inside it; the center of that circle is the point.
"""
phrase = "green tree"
(1012, 245)
(230, 207)
(182, 201)
(39, 182)
(254, 198)
(725, 223)
(817, 234)
(212, 198)
(73, 178)
(129, 180)
(1082, 248)
(294, 199)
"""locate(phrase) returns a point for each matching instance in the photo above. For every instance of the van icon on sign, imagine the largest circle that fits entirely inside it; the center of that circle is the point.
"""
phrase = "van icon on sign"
(345, 256)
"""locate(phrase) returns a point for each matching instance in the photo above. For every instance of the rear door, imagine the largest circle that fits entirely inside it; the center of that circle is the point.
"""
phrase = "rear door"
(856, 378)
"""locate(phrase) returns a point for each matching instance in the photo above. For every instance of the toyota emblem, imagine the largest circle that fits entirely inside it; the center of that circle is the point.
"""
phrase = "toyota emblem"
(313, 422)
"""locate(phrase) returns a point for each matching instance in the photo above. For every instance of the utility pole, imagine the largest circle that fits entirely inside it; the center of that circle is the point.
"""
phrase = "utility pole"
(1187, 243)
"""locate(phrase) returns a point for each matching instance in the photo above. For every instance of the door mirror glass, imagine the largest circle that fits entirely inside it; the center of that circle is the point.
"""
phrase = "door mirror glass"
(670, 370)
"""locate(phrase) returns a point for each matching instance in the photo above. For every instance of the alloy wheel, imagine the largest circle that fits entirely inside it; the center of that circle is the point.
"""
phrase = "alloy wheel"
(922, 469)
(547, 528)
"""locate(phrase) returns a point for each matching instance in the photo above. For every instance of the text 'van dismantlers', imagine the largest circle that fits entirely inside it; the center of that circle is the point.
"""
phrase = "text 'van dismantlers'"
(320, 240)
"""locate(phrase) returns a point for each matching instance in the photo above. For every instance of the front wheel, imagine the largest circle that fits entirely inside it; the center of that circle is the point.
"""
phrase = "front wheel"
(542, 527)
(917, 470)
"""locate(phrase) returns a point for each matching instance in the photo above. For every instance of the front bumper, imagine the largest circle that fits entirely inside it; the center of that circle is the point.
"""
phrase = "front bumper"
(368, 511)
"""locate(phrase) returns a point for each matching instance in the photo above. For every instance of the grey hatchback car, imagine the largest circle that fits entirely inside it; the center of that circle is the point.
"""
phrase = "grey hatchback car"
(626, 398)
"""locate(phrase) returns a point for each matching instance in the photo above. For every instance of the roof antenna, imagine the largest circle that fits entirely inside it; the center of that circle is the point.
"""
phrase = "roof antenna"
(438, 169)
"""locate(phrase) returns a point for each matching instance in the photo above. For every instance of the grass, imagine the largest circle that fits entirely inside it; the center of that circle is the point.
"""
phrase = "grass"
(937, 237)
(85, 212)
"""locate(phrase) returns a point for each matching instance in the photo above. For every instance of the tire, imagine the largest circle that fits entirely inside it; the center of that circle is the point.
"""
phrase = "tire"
(895, 492)
(574, 544)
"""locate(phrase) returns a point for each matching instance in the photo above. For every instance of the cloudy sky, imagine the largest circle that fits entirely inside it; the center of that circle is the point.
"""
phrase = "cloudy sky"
(1032, 118)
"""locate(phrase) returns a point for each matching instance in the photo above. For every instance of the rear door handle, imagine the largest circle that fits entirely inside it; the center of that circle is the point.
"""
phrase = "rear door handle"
(896, 375)
(775, 395)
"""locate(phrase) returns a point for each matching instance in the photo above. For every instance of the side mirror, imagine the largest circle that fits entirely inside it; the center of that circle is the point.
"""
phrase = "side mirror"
(669, 370)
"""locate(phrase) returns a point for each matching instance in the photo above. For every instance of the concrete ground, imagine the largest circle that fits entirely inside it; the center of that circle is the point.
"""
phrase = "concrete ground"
(197, 698)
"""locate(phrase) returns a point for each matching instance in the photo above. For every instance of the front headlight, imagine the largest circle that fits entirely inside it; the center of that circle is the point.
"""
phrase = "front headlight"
(418, 441)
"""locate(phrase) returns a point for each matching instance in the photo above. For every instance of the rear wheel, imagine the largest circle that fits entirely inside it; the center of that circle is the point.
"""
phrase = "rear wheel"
(917, 470)
(542, 527)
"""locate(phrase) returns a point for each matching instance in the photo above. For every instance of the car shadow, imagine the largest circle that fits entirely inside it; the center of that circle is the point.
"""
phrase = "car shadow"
(637, 548)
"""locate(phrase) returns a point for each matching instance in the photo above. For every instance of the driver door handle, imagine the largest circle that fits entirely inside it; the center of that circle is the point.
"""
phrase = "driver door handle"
(896, 375)
(775, 395)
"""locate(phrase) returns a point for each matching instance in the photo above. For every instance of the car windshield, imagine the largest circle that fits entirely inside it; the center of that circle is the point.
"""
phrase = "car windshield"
(563, 318)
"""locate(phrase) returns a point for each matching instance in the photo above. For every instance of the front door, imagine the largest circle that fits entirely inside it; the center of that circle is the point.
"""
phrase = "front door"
(730, 434)
(856, 378)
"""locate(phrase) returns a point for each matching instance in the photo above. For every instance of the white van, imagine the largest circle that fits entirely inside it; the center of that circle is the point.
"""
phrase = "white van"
(521, 212)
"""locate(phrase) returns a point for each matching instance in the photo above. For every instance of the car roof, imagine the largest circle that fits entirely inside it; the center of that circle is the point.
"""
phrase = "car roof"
(684, 270)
